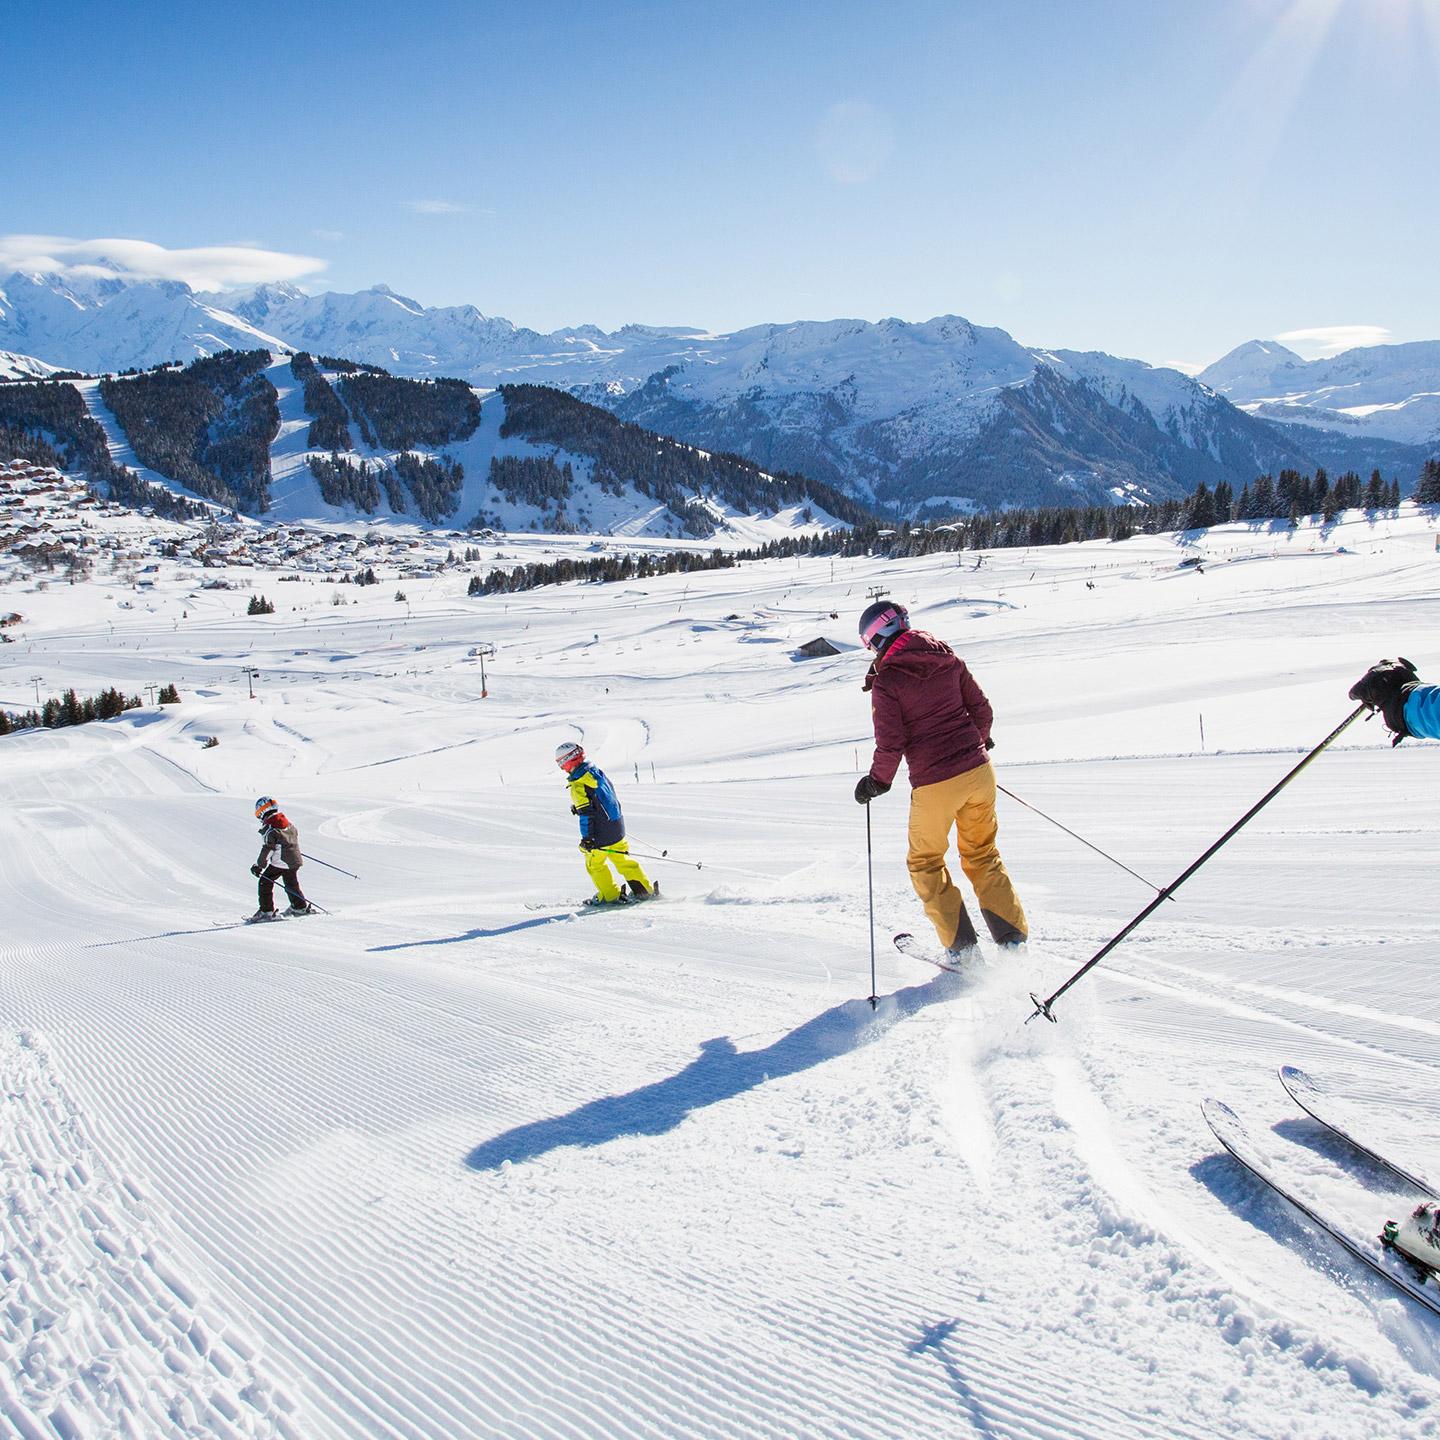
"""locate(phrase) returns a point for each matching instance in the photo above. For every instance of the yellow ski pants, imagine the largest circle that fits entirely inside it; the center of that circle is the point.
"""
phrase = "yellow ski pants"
(597, 864)
(966, 801)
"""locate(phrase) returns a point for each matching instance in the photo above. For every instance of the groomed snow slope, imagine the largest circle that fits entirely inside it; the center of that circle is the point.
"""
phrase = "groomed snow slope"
(442, 1164)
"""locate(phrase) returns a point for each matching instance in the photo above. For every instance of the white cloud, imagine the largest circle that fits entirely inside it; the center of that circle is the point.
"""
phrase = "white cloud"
(1185, 367)
(1320, 341)
(329, 235)
(854, 140)
(436, 207)
(209, 267)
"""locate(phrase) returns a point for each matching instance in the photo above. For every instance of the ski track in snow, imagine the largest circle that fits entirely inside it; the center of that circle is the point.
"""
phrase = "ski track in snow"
(441, 1165)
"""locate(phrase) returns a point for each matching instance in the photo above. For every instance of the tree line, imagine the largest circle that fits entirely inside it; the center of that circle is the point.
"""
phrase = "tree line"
(48, 423)
(602, 569)
(349, 367)
(402, 414)
(434, 482)
(1290, 495)
(209, 425)
(330, 425)
(1427, 492)
(667, 471)
(532, 480)
(69, 709)
(347, 482)
(1000, 530)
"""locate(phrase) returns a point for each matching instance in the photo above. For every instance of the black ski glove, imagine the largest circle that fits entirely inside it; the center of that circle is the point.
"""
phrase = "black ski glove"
(1385, 687)
(989, 743)
(256, 871)
(586, 843)
(868, 787)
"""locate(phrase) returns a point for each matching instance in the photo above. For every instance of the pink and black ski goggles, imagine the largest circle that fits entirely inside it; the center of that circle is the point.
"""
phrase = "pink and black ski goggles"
(881, 627)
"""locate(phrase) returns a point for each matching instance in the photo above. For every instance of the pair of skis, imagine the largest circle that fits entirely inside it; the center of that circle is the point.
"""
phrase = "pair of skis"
(277, 915)
(1418, 1282)
(584, 907)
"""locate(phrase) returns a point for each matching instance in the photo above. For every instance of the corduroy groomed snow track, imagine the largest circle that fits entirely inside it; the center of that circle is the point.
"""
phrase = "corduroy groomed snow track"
(445, 1165)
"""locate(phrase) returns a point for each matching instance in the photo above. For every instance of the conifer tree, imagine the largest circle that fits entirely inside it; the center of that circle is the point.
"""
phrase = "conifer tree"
(1224, 502)
(1427, 492)
(1200, 514)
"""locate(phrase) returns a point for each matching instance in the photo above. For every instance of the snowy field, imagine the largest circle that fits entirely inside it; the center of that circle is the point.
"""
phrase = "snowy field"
(454, 1161)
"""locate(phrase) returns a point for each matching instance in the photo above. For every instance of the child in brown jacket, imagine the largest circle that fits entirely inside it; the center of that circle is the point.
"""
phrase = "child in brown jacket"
(282, 839)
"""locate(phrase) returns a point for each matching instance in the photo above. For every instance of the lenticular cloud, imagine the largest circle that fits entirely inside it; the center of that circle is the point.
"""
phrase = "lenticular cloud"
(205, 267)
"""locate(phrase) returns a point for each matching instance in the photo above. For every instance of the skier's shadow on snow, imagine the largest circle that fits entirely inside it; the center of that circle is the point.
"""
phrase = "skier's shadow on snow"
(474, 934)
(719, 1072)
(932, 1342)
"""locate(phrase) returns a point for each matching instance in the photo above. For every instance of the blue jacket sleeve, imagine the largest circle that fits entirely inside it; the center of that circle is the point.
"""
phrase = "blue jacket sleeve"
(1422, 712)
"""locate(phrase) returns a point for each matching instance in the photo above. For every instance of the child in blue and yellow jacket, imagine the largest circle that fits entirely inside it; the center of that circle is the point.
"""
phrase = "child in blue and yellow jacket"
(602, 830)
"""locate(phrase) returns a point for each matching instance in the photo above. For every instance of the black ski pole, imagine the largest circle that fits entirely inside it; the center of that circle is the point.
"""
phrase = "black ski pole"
(870, 878)
(329, 866)
(1042, 1007)
(1080, 838)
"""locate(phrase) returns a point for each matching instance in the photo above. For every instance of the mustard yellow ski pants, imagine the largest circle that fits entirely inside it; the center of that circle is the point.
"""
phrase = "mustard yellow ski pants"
(967, 802)
(597, 864)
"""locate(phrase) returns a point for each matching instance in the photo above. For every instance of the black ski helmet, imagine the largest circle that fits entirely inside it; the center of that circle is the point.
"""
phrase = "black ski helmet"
(883, 621)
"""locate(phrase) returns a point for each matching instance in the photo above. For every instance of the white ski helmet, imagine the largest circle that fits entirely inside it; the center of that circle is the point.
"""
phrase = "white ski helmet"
(569, 755)
(265, 807)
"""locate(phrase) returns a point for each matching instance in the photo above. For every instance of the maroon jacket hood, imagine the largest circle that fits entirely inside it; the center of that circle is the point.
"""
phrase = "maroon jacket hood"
(928, 709)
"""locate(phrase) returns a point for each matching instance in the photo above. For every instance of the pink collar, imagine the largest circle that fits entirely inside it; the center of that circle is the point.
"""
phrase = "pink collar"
(898, 643)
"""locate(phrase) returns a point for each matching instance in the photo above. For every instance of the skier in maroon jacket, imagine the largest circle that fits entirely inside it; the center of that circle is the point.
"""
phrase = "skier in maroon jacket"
(928, 709)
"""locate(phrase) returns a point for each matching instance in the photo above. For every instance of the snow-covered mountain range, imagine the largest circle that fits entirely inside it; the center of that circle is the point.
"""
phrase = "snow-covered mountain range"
(1389, 391)
(940, 415)
(23, 367)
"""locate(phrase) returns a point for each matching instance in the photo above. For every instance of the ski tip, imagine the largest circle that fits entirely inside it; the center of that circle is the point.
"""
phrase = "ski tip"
(1219, 1117)
(1300, 1087)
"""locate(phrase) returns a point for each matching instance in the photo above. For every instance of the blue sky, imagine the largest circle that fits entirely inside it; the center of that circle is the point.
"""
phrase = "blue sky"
(1160, 179)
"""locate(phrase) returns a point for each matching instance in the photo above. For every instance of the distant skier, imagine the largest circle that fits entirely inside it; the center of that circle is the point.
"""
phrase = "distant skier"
(1408, 707)
(279, 838)
(602, 830)
(927, 707)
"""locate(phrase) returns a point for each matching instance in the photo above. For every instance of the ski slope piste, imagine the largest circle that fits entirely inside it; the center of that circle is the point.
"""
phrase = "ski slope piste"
(463, 1158)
